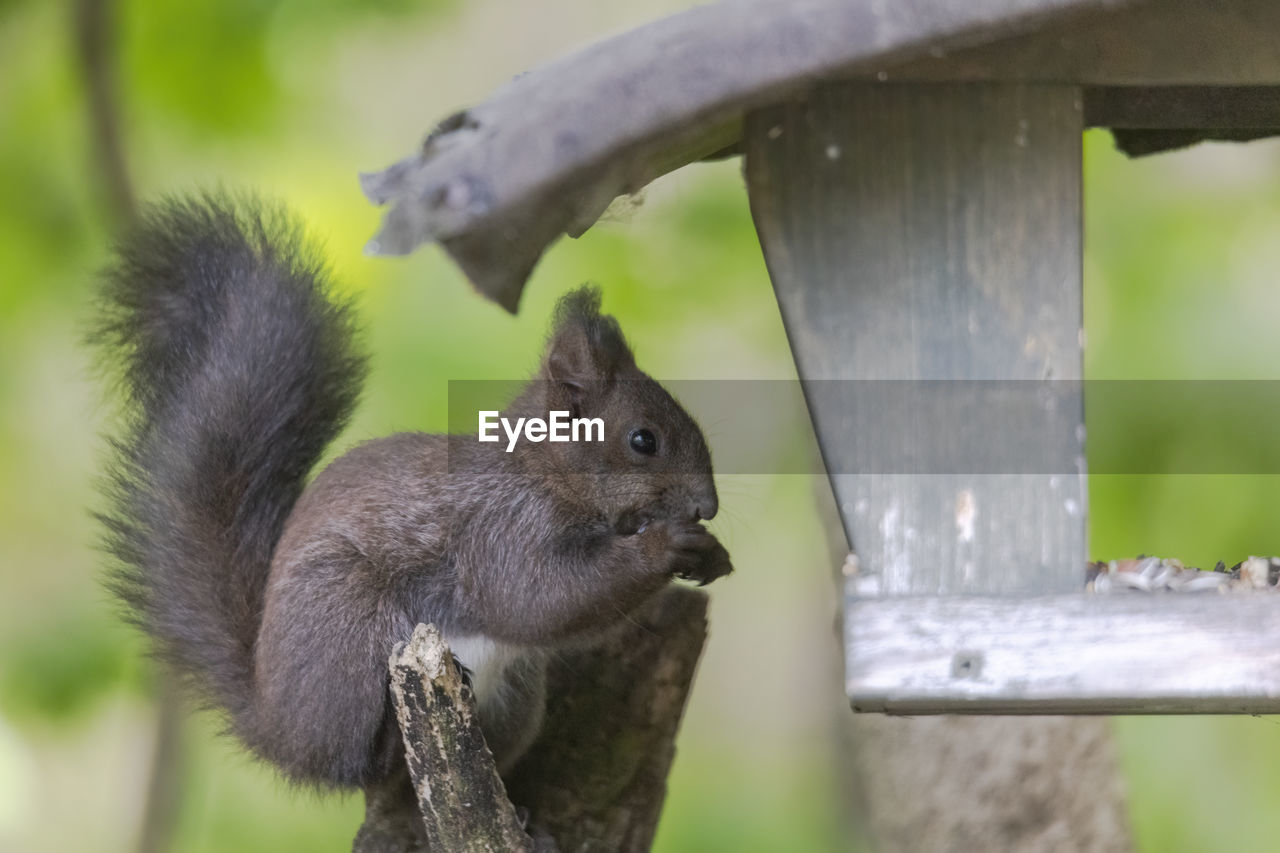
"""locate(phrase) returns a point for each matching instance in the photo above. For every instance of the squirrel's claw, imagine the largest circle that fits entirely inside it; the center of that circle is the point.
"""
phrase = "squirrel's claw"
(699, 556)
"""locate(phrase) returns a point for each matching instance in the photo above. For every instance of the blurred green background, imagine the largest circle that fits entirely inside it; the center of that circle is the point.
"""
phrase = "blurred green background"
(293, 97)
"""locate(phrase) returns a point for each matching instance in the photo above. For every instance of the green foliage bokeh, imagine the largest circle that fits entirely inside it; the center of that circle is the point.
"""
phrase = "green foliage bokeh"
(294, 97)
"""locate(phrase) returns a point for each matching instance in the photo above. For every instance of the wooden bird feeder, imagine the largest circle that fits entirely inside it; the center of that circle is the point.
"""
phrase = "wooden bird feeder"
(914, 172)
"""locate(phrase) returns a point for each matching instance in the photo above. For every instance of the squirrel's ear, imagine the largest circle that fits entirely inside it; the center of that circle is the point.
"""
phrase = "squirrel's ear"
(586, 346)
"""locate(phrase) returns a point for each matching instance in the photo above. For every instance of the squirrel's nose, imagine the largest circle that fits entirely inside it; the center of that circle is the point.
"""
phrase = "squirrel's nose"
(705, 509)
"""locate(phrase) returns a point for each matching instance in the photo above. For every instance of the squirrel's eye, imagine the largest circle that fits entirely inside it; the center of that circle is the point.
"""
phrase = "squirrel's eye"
(642, 441)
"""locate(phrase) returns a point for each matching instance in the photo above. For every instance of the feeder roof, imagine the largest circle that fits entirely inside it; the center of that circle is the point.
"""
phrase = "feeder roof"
(547, 153)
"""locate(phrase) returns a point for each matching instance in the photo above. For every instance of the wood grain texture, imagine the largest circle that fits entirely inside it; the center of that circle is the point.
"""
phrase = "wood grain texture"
(963, 783)
(547, 153)
(1190, 653)
(942, 241)
(937, 236)
(595, 778)
(461, 798)
(1151, 43)
(933, 232)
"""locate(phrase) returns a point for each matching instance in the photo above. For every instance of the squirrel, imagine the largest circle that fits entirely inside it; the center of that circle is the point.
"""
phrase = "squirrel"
(280, 600)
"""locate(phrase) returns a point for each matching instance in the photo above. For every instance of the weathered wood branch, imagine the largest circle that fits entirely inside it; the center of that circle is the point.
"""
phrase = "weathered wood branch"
(594, 780)
(463, 802)
(95, 30)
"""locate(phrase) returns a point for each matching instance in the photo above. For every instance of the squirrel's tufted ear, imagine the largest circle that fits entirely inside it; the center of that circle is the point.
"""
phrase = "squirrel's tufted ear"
(586, 346)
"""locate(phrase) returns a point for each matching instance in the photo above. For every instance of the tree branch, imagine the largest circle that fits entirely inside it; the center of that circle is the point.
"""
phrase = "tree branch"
(594, 780)
(463, 803)
(94, 27)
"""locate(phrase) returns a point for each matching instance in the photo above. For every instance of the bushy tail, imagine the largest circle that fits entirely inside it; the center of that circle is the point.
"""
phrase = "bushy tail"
(238, 368)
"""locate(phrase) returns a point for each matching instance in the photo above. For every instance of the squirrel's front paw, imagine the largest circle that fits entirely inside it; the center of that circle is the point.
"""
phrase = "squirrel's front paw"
(695, 554)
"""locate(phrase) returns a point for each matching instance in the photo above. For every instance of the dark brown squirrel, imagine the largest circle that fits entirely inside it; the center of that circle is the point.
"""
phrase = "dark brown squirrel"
(280, 602)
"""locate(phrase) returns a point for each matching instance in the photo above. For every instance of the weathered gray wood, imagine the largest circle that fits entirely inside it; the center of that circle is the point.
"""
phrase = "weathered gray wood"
(961, 783)
(1153, 42)
(1173, 653)
(596, 778)
(547, 153)
(933, 232)
(461, 798)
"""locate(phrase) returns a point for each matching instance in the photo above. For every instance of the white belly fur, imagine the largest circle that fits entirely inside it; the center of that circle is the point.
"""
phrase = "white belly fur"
(488, 660)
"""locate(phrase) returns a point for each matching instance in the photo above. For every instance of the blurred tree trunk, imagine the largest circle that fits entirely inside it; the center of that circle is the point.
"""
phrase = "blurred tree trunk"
(94, 23)
(95, 39)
